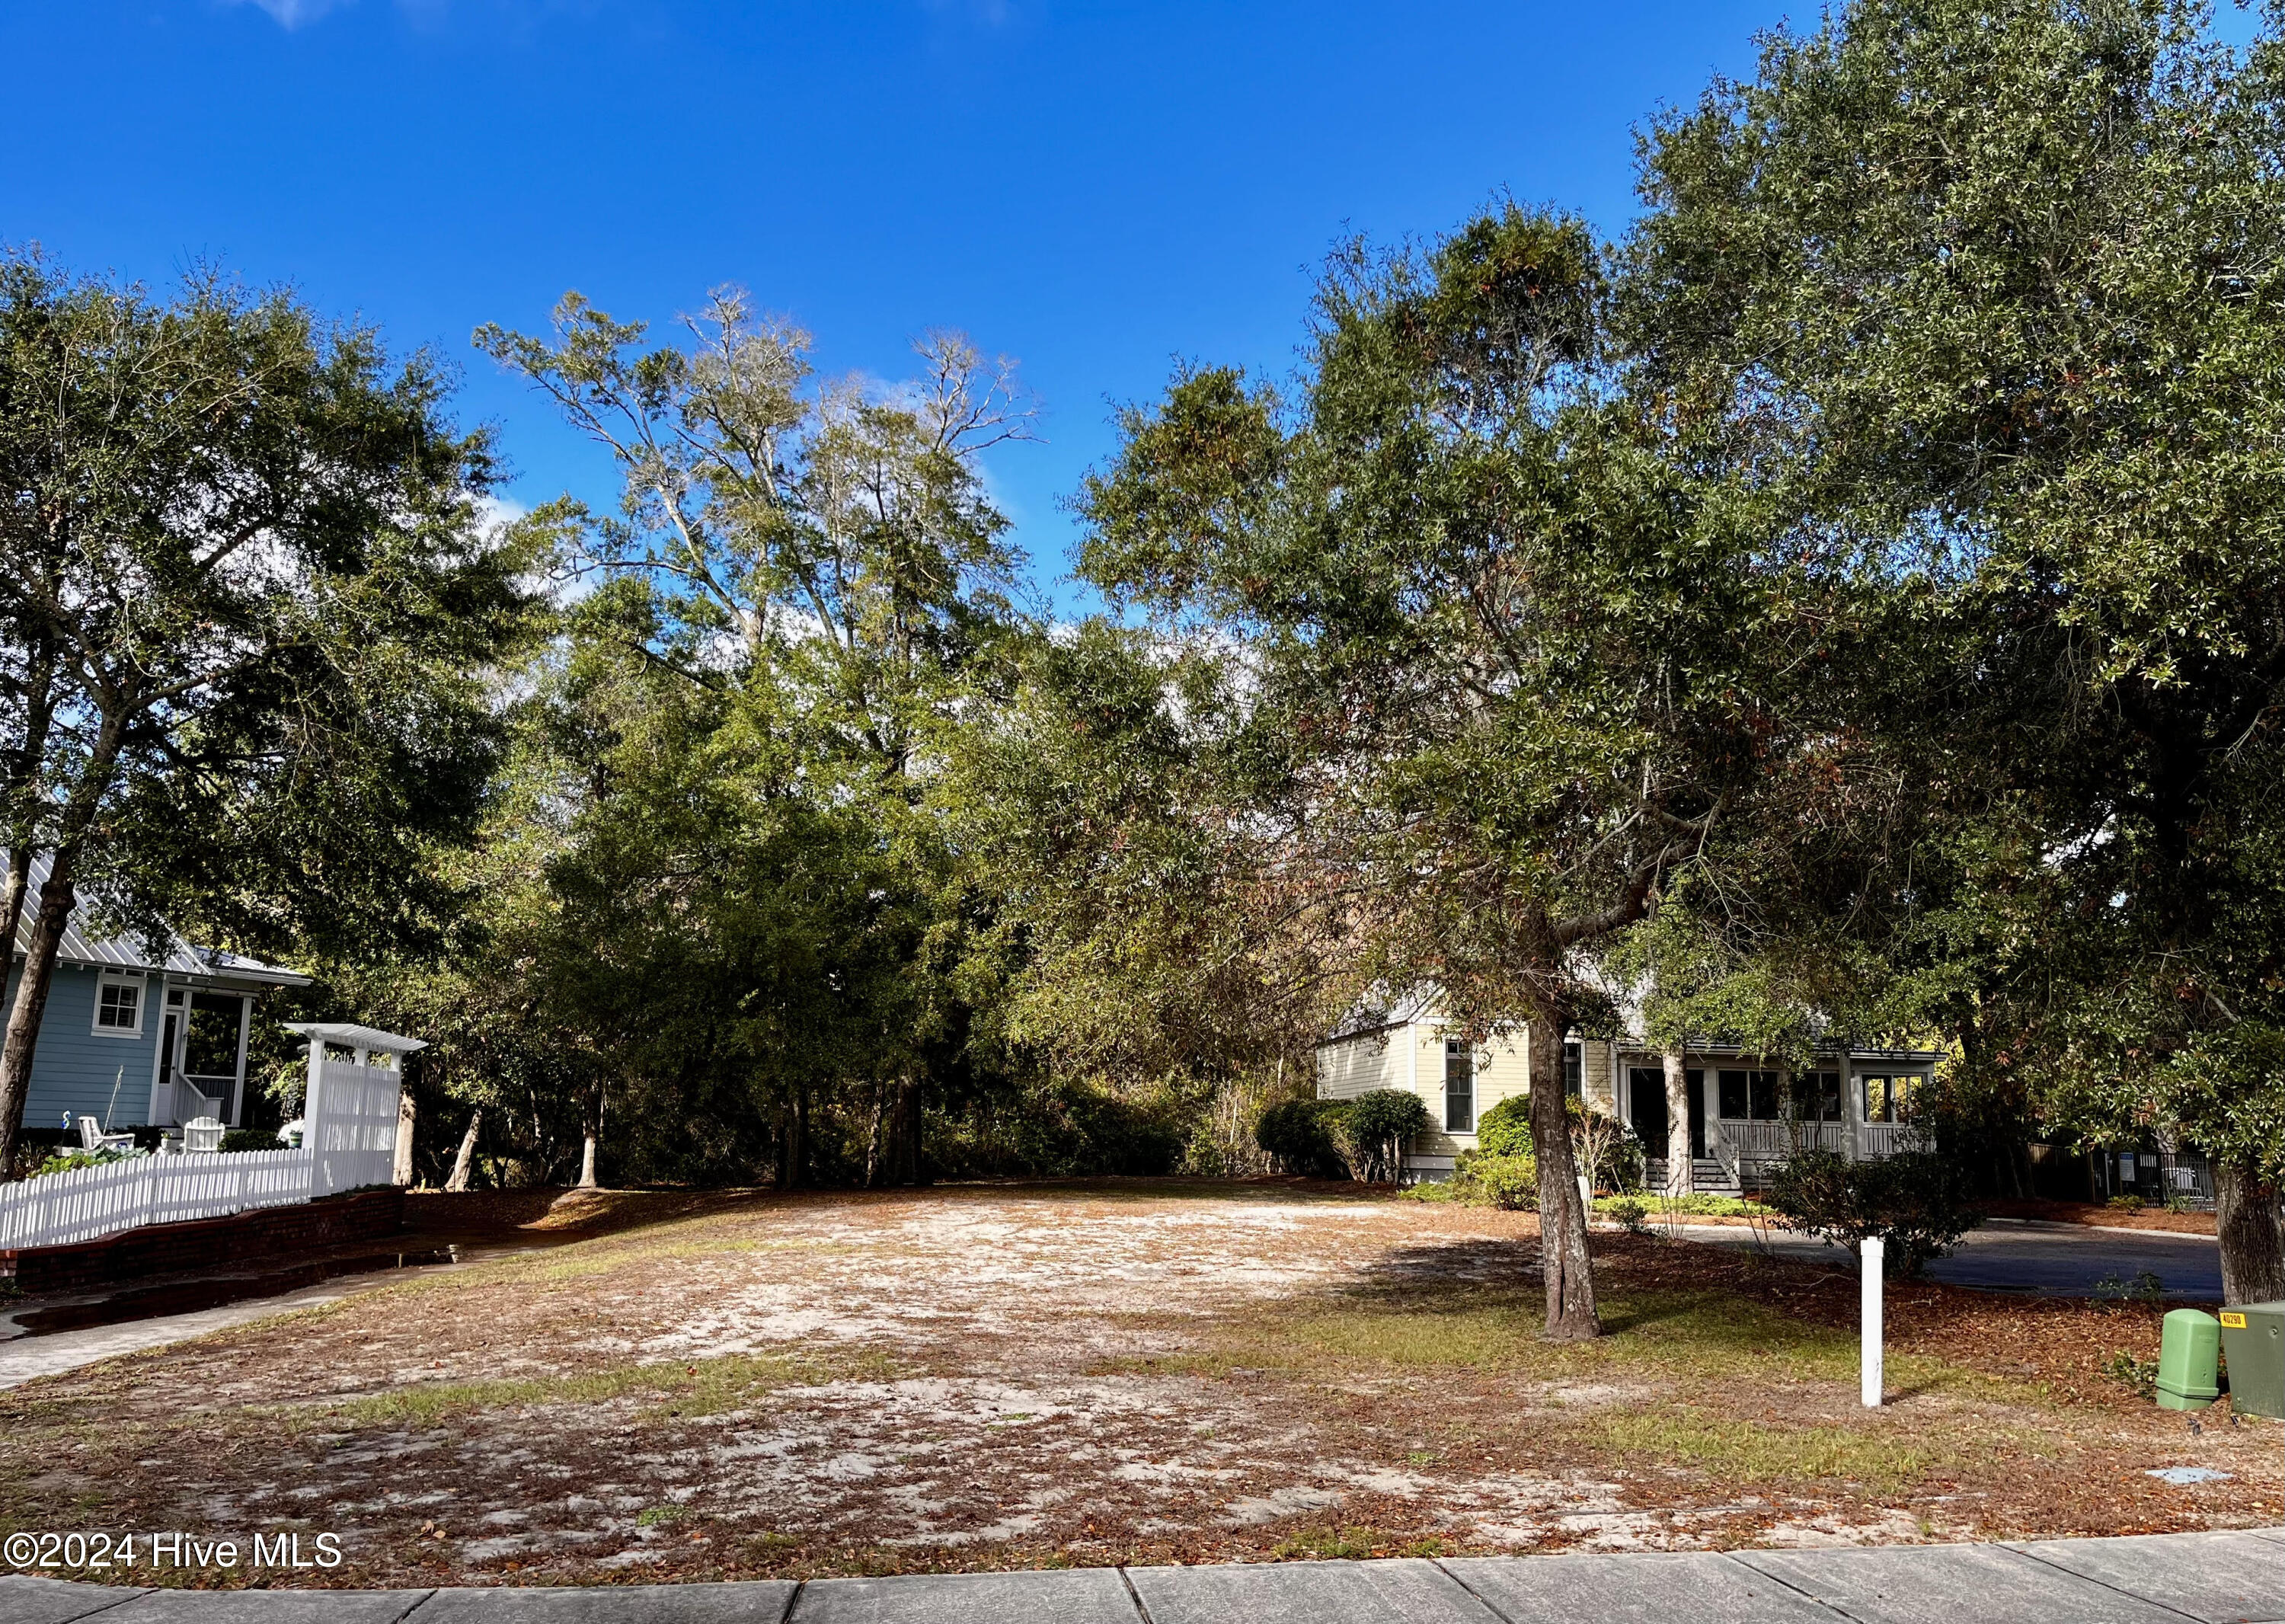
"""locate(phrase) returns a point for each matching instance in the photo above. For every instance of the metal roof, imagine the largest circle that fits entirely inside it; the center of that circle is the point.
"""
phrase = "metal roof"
(83, 944)
(349, 1035)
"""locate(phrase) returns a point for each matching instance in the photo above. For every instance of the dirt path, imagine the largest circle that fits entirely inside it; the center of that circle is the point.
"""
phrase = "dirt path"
(993, 1377)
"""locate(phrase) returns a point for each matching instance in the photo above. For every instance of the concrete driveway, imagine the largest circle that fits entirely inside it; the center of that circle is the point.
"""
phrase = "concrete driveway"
(2048, 1259)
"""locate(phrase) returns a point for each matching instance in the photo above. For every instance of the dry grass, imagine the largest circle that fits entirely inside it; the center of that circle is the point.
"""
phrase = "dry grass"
(736, 1386)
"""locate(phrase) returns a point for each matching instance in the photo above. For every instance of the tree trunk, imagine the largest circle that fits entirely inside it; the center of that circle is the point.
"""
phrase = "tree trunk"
(401, 1171)
(793, 1150)
(594, 1134)
(1680, 1175)
(2252, 1237)
(24, 775)
(1563, 1258)
(31, 1001)
(57, 898)
(900, 1135)
(461, 1162)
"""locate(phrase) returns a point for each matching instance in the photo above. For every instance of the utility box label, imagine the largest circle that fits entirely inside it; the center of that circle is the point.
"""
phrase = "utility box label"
(2235, 1322)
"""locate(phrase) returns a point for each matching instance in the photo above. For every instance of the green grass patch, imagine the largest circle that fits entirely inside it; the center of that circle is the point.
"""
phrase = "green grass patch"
(1750, 1451)
(1712, 1335)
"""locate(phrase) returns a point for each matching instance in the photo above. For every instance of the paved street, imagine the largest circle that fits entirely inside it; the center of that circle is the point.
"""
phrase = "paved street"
(2053, 1259)
(2215, 1577)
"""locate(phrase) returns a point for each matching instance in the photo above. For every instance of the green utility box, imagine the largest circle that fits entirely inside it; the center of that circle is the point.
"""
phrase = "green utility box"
(2189, 1356)
(2253, 1337)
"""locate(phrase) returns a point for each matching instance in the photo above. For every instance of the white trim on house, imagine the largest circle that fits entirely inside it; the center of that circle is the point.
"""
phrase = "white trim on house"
(115, 979)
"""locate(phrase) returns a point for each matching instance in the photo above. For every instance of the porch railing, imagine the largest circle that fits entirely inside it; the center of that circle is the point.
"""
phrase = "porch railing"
(1773, 1141)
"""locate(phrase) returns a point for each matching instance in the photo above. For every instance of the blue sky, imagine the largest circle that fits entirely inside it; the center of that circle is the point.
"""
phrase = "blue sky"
(1094, 189)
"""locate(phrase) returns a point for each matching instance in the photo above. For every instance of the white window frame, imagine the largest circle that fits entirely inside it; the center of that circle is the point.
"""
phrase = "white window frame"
(120, 978)
(1475, 1085)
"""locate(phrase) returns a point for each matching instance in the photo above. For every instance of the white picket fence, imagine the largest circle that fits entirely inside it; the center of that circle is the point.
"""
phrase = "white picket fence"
(348, 1142)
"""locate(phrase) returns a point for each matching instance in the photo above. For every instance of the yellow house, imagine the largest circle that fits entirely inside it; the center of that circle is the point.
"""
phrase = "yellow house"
(1859, 1102)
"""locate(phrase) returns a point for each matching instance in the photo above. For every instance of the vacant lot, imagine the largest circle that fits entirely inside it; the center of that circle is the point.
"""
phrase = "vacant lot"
(1008, 1376)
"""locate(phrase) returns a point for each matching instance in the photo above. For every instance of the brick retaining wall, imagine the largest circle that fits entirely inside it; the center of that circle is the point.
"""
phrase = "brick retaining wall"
(210, 1243)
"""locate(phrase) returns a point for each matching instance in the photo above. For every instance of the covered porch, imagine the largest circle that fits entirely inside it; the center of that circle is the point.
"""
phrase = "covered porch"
(1744, 1117)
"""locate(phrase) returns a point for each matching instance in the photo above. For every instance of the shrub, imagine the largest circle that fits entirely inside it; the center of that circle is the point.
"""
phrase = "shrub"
(1370, 1134)
(1915, 1201)
(1505, 1129)
(1605, 1149)
(251, 1139)
(1508, 1182)
(72, 1161)
(1629, 1211)
(2127, 1204)
(1297, 1135)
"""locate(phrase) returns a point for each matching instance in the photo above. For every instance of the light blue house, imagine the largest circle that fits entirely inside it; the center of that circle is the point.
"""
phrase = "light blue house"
(132, 1035)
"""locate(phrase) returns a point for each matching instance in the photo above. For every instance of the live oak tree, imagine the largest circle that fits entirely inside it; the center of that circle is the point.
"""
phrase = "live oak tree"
(246, 607)
(1509, 665)
(817, 570)
(1995, 293)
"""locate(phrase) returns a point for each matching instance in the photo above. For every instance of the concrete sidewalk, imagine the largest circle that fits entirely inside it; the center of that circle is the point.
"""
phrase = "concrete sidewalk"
(2157, 1579)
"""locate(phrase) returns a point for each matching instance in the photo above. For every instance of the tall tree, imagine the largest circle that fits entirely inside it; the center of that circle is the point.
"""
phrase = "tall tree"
(246, 601)
(1510, 668)
(1996, 292)
(820, 566)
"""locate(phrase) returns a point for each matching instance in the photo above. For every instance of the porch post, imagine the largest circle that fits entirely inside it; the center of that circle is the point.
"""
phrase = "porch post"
(1679, 1171)
(1852, 1108)
(309, 1107)
(237, 1087)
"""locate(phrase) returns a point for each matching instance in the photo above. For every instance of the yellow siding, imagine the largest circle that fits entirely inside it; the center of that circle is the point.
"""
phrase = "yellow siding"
(1358, 1065)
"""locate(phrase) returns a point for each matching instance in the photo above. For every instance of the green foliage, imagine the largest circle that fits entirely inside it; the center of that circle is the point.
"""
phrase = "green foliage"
(1505, 1129)
(249, 607)
(1915, 1201)
(73, 1161)
(2137, 1376)
(251, 1139)
(1371, 1131)
(1698, 1204)
(1990, 295)
(1297, 1135)
(1508, 1182)
(1629, 1211)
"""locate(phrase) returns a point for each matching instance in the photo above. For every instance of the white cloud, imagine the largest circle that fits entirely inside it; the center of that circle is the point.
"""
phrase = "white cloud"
(293, 13)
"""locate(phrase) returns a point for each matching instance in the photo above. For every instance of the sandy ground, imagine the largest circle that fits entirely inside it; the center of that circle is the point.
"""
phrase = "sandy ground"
(1021, 1376)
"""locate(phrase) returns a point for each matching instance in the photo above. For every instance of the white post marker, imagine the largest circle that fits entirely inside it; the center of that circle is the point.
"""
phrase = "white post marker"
(1869, 1299)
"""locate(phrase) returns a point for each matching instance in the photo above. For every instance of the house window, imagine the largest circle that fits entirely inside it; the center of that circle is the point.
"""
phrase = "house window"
(1459, 1087)
(1819, 1094)
(1575, 1067)
(1748, 1097)
(119, 1006)
(1890, 1098)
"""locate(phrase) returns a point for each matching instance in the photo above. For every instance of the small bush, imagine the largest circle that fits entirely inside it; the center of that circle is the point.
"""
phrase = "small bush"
(1631, 1211)
(73, 1160)
(1372, 1132)
(251, 1139)
(1508, 1182)
(2139, 1375)
(1605, 1148)
(1915, 1201)
(1297, 1135)
(1698, 1204)
(1505, 1129)
(2126, 1204)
